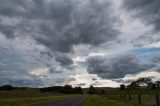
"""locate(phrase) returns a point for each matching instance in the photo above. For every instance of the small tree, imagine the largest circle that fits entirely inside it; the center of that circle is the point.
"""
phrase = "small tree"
(78, 90)
(151, 86)
(158, 84)
(102, 92)
(122, 87)
(92, 90)
(6, 87)
(67, 89)
(141, 83)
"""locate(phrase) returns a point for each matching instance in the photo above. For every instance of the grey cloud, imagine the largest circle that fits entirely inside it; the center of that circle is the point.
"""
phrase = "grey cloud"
(60, 80)
(22, 69)
(18, 77)
(56, 24)
(53, 70)
(7, 31)
(130, 4)
(20, 80)
(46, 53)
(15, 70)
(146, 39)
(64, 59)
(155, 59)
(116, 67)
(82, 84)
(94, 79)
(64, 80)
(147, 10)
(60, 24)
(14, 62)
(123, 81)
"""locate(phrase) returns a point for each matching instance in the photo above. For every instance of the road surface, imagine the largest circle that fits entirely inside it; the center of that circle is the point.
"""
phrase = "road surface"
(75, 101)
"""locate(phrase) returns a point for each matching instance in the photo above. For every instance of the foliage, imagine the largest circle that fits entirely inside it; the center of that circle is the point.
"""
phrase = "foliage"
(102, 92)
(92, 90)
(157, 84)
(122, 87)
(146, 83)
(6, 87)
(68, 89)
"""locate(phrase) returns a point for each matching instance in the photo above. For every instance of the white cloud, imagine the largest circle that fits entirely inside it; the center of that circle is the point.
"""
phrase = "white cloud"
(92, 79)
(39, 71)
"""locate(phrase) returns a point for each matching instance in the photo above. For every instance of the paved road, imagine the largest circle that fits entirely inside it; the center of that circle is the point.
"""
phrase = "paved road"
(75, 101)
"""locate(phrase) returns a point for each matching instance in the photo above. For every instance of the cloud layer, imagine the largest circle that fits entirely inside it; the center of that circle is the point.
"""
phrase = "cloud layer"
(59, 24)
(117, 67)
(57, 42)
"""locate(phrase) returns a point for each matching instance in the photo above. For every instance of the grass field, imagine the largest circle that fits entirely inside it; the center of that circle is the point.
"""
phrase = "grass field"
(31, 100)
(22, 93)
(146, 99)
(95, 100)
(111, 97)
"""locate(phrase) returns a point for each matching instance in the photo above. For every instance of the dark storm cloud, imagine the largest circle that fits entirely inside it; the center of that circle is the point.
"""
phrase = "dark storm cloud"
(155, 59)
(48, 29)
(64, 59)
(53, 70)
(116, 67)
(147, 10)
(133, 4)
(60, 24)
(7, 31)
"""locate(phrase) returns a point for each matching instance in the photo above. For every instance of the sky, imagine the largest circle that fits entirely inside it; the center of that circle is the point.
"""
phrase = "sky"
(103, 43)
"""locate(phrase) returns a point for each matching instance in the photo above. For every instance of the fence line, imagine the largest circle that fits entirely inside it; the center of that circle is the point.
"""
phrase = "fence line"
(157, 100)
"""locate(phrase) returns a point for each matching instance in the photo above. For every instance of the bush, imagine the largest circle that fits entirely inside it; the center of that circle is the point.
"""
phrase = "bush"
(6, 87)
(92, 90)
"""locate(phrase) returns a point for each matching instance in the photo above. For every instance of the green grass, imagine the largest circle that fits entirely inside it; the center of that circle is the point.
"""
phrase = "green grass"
(23, 93)
(30, 100)
(94, 100)
(148, 96)
(146, 99)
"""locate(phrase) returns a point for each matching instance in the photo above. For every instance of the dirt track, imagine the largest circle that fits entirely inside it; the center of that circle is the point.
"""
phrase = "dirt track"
(76, 101)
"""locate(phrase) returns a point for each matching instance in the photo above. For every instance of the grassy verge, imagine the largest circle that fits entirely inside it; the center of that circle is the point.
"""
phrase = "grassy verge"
(146, 99)
(94, 100)
(31, 100)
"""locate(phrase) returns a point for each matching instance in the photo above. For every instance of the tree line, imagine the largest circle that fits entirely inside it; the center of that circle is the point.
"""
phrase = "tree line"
(142, 83)
(67, 89)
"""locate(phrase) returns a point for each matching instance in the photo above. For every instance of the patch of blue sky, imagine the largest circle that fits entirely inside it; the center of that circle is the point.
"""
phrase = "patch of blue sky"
(145, 54)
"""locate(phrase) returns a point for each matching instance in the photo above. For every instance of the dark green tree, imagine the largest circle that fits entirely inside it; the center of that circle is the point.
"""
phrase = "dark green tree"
(78, 90)
(6, 87)
(92, 90)
(142, 83)
(157, 84)
(122, 87)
